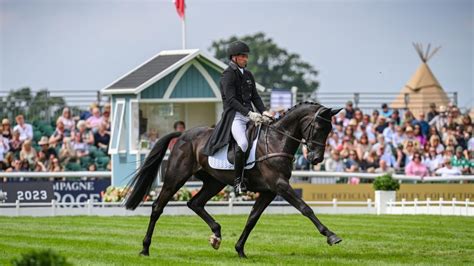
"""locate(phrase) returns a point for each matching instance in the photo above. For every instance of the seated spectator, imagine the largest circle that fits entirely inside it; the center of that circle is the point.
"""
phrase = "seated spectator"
(334, 163)
(363, 147)
(28, 153)
(389, 131)
(459, 161)
(401, 158)
(68, 122)
(358, 116)
(386, 155)
(375, 117)
(302, 162)
(59, 134)
(352, 163)
(370, 162)
(179, 126)
(345, 148)
(386, 112)
(9, 159)
(384, 168)
(55, 166)
(333, 140)
(7, 131)
(67, 152)
(435, 142)
(398, 137)
(86, 114)
(410, 137)
(448, 169)
(409, 149)
(94, 122)
(470, 142)
(432, 112)
(39, 167)
(102, 138)
(151, 136)
(433, 161)
(461, 138)
(106, 115)
(416, 166)
(349, 110)
(466, 121)
(86, 135)
(25, 130)
(22, 166)
(16, 143)
(381, 143)
(418, 135)
(4, 147)
(440, 120)
(366, 121)
(381, 125)
(408, 117)
(81, 148)
(92, 167)
(396, 117)
(424, 126)
(45, 148)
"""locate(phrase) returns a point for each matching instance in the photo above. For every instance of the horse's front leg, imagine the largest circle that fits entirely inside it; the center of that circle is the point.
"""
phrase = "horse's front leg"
(286, 191)
(264, 199)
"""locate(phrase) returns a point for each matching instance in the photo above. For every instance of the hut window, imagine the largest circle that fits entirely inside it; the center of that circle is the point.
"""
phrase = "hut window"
(118, 128)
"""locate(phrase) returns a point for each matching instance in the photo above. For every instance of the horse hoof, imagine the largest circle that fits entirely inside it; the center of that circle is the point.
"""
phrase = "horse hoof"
(215, 241)
(242, 254)
(333, 239)
(144, 253)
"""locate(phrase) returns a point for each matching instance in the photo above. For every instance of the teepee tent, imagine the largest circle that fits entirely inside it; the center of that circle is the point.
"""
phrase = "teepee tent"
(423, 88)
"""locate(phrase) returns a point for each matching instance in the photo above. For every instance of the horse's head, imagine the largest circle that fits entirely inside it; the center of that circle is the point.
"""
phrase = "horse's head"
(315, 130)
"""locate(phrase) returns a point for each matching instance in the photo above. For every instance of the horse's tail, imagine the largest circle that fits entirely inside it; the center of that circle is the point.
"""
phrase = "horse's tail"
(141, 183)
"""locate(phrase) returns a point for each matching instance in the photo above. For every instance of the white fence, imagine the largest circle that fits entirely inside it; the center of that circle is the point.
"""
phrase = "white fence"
(438, 207)
(177, 208)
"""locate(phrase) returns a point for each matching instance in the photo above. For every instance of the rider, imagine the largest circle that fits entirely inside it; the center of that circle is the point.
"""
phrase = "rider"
(238, 91)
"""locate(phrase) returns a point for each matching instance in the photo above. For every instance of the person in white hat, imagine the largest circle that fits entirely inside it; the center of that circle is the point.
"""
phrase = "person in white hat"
(441, 119)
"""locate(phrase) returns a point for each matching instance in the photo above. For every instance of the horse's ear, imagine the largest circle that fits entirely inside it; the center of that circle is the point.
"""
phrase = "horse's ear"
(335, 111)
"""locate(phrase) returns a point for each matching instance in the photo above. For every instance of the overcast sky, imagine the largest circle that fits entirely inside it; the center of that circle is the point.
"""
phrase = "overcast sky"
(356, 45)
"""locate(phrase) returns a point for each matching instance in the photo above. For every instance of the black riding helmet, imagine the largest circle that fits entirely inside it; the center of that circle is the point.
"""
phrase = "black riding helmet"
(236, 48)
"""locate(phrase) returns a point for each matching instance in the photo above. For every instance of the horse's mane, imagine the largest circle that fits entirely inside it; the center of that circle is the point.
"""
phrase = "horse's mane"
(296, 106)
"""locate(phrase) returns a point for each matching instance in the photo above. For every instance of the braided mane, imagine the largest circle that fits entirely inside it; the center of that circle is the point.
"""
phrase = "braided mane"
(296, 106)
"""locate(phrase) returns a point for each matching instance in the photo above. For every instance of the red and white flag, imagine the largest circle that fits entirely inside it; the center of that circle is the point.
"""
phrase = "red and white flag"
(180, 6)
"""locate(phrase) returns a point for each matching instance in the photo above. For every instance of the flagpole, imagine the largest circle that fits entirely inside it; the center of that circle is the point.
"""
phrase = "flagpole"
(183, 24)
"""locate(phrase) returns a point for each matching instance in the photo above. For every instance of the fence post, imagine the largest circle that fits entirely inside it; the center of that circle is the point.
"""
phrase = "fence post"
(231, 204)
(390, 206)
(440, 206)
(89, 207)
(416, 205)
(467, 207)
(53, 207)
(403, 206)
(453, 204)
(334, 203)
(369, 203)
(17, 207)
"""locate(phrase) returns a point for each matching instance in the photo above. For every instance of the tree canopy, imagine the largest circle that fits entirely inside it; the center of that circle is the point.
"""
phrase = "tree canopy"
(272, 66)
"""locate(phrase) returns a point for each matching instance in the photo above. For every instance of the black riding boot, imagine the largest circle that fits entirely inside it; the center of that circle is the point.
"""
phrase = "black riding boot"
(240, 185)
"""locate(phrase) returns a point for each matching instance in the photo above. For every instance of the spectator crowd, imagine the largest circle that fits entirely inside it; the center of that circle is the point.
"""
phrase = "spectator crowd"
(439, 142)
(69, 143)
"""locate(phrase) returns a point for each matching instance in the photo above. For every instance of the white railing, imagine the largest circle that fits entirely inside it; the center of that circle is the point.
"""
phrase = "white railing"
(438, 207)
(229, 207)
(298, 173)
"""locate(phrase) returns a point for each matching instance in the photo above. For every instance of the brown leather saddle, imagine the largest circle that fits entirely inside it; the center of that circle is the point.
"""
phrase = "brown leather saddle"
(251, 133)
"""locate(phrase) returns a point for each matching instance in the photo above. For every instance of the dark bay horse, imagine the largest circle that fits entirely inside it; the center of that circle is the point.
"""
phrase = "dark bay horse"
(307, 123)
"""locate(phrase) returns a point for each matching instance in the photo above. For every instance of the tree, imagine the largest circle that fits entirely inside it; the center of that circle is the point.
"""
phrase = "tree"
(272, 66)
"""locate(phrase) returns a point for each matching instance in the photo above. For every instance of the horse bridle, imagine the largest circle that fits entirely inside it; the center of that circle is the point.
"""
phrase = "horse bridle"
(305, 141)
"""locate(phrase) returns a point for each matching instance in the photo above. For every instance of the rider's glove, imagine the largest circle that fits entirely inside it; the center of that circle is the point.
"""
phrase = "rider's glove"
(255, 117)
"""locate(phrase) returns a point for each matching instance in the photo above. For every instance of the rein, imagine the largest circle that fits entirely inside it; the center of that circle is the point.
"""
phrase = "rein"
(301, 141)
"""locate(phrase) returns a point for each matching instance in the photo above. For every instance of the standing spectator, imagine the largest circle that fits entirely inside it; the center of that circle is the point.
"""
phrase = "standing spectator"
(349, 110)
(25, 130)
(440, 120)
(179, 126)
(15, 142)
(95, 120)
(416, 167)
(386, 112)
(59, 134)
(28, 153)
(432, 112)
(7, 131)
(102, 138)
(448, 169)
(68, 122)
(334, 163)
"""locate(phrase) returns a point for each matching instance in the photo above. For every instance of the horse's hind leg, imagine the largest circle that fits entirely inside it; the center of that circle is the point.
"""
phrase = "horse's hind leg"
(174, 179)
(209, 188)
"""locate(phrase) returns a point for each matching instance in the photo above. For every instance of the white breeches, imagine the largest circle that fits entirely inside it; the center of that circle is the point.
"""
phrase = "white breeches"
(239, 126)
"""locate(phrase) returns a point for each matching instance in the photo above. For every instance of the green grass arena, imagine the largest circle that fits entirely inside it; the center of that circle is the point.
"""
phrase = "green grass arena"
(277, 239)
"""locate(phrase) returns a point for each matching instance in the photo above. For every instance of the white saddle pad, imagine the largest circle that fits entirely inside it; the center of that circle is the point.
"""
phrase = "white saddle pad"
(219, 159)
